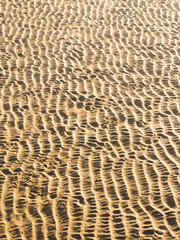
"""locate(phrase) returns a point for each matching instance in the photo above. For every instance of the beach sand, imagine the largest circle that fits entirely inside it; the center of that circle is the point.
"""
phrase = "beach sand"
(89, 120)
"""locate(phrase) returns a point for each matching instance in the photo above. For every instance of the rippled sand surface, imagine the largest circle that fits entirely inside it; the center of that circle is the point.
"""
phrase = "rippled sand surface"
(89, 119)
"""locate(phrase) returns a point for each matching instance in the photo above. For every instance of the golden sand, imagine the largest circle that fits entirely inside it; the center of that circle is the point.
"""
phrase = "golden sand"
(89, 120)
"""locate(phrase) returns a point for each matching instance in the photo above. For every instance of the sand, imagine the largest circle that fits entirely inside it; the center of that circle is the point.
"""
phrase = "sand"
(89, 120)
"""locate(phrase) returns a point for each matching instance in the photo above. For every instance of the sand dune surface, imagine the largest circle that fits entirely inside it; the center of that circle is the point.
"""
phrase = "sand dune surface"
(89, 120)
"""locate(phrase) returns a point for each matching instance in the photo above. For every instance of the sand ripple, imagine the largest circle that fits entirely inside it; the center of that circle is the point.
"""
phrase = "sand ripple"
(89, 119)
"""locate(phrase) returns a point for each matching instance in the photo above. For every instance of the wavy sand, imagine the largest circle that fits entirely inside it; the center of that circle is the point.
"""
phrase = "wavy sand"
(90, 120)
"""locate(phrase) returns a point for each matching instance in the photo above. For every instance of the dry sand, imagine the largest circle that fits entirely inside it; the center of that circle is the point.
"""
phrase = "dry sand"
(89, 119)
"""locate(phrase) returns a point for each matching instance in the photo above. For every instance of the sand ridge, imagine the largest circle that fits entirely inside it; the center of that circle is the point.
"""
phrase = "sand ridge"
(89, 120)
